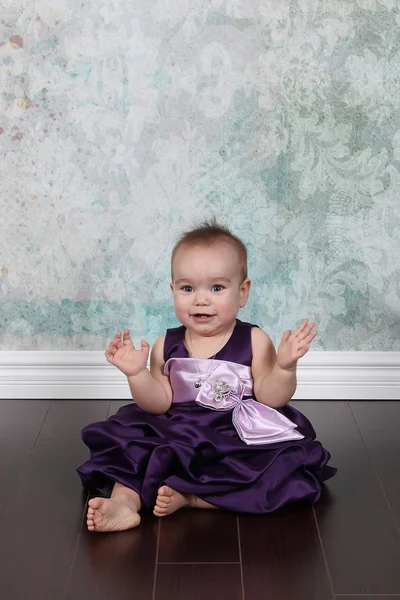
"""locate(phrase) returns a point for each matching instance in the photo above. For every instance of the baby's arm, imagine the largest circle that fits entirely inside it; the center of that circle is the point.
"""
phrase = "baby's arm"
(272, 386)
(275, 377)
(151, 390)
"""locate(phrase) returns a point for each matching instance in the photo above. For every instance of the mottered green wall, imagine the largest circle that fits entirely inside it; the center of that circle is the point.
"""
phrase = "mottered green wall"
(122, 122)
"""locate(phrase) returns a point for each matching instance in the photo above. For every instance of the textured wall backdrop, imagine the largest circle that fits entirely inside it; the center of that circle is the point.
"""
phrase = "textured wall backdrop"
(123, 120)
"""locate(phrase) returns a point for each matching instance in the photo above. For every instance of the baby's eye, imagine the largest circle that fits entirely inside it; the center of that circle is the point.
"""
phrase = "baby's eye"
(217, 287)
(187, 288)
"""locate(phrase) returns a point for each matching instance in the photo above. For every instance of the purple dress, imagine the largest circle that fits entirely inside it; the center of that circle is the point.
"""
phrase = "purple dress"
(216, 441)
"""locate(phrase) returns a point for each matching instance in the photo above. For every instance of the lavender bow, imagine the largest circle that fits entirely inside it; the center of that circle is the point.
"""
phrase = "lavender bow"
(255, 423)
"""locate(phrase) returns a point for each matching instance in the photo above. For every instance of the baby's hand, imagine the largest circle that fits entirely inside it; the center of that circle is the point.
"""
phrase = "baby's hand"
(122, 353)
(295, 345)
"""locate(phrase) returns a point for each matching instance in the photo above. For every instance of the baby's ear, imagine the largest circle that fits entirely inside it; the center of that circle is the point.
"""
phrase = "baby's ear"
(244, 292)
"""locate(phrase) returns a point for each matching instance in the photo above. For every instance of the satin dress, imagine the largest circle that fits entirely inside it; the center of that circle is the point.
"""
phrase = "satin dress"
(216, 441)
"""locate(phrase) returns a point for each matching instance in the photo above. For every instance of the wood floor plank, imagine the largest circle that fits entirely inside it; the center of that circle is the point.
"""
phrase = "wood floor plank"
(361, 543)
(195, 535)
(20, 423)
(282, 556)
(368, 597)
(110, 566)
(196, 582)
(66, 418)
(41, 530)
(379, 424)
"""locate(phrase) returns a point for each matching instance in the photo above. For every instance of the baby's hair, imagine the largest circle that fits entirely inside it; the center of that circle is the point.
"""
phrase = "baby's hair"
(210, 233)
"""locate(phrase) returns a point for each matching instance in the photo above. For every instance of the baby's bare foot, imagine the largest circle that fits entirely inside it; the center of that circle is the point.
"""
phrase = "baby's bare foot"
(108, 514)
(169, 500)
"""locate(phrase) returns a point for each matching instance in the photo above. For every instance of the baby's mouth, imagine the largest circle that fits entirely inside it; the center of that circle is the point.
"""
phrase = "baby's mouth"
(201, 316)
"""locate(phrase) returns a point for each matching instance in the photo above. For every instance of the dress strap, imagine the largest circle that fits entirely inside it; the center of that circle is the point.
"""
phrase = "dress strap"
(173, 343)
(238, 348)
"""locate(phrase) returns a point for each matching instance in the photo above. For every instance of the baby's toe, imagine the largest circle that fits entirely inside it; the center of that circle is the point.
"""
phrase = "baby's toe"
(159, 511)
(95, 503)
(165, 491)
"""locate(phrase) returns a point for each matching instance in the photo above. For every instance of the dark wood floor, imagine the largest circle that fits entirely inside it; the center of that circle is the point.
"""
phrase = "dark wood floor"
(347, 546)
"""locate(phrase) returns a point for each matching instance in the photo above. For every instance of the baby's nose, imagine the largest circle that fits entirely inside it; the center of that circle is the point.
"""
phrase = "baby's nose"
(201, 298)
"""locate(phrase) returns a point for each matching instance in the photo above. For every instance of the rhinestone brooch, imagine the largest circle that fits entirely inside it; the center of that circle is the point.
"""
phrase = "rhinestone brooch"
(222, 390)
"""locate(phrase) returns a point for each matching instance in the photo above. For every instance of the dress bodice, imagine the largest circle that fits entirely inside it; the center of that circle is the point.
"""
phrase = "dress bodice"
(184, 371)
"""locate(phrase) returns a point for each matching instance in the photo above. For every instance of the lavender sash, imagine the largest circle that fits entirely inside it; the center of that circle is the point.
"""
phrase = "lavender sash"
(224, 389)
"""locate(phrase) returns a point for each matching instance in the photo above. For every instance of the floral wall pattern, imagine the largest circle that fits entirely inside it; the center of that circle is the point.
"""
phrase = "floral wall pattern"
(122, 122)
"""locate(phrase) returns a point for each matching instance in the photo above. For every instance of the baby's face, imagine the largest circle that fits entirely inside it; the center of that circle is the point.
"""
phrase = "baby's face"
(208, 288)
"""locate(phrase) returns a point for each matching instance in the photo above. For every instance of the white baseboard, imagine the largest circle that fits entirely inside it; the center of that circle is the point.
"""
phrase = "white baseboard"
(87, 375)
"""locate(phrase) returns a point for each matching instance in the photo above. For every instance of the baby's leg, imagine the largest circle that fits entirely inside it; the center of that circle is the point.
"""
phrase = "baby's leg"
(169, 500)
(117, 513)
(197, 502)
